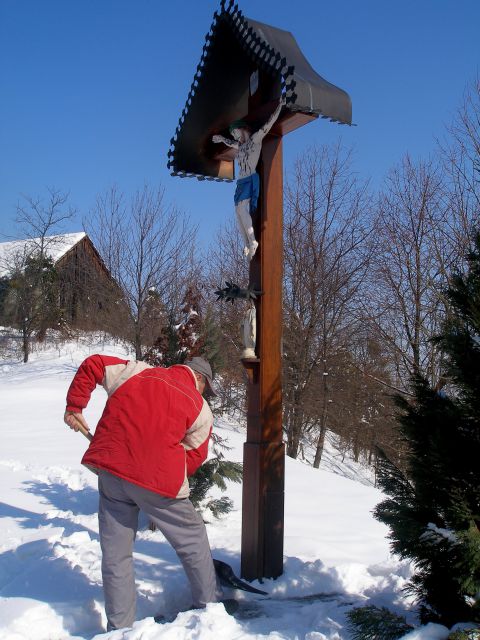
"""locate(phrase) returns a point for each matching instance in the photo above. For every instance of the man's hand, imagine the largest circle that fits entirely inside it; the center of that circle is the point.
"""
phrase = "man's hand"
(217, 138)
(75, 421)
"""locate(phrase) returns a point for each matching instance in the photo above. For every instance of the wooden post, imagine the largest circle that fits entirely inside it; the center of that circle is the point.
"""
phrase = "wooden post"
(264, 451)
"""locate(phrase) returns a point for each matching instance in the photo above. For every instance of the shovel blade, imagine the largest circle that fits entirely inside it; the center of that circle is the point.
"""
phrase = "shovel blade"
(228, 579)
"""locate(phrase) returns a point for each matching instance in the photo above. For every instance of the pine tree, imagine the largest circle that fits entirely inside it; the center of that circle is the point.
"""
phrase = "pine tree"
(190, 339)
(166, 351)
(180, 338)
(31, 298)
(434, 507)
(212, 473)
(211, 339)
(374, 623)
(4, 290)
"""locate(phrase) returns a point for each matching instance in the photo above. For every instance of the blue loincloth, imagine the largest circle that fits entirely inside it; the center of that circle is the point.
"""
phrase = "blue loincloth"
(248, 189)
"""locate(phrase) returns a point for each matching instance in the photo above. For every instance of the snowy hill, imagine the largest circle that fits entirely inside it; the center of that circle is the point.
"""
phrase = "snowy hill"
(336, 554)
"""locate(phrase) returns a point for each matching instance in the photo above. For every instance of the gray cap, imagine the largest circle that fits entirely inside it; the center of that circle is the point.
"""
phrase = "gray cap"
(200, 365)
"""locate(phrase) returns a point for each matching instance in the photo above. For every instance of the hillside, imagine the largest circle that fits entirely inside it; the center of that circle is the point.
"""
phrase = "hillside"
(336, 554)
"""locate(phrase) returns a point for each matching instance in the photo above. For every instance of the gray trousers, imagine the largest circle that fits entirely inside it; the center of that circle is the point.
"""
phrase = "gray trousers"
(182, 526)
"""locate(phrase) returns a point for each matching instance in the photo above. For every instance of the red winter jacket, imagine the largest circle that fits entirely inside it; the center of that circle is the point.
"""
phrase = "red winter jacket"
(155, 427)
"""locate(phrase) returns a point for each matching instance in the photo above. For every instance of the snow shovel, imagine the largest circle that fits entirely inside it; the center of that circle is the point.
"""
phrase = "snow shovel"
(228, 579)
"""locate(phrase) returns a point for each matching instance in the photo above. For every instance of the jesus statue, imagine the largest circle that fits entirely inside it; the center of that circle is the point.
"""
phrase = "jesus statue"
(249, 147)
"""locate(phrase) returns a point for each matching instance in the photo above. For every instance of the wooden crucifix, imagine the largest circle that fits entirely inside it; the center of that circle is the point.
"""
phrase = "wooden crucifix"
(250, 71)
(264, 451)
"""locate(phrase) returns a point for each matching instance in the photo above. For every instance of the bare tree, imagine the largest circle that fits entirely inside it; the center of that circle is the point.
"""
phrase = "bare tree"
(31, 302)
(148, 247)
(226, 263)
(406, 302)
(41, 220)
(460, 153)
(364, 405)
(327, 253)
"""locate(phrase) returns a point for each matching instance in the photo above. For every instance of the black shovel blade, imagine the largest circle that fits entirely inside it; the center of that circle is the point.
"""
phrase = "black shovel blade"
(228, 579)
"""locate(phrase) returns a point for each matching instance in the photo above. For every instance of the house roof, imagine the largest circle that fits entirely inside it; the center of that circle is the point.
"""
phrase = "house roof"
(55, 247)
(235, 47)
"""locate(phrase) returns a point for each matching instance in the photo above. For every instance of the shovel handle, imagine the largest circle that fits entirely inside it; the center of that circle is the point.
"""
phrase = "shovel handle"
(78, 424)
(88, 436)
(85, 432)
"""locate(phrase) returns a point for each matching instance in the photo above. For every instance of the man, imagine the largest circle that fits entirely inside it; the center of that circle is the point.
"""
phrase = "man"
(249, 146)
(152, 435)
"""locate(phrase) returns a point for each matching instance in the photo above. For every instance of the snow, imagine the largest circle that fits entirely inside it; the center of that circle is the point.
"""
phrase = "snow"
(55, 248)
(336, 555)
(429, 632)
(437, 534)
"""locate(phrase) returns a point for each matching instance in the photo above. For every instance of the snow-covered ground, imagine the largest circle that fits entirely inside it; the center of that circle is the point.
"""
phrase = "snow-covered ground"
(336, 554)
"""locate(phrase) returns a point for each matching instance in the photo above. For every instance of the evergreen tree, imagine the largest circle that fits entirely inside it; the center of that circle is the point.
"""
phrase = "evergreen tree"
(190, 339)
(212, 473)
(180, 339)
(212, 340)
(4, 288)
(31, 298)
(374, 623)
(434, 507)
(165, 351)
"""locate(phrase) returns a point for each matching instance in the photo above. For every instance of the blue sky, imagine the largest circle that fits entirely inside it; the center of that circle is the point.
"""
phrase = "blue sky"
(91, 90)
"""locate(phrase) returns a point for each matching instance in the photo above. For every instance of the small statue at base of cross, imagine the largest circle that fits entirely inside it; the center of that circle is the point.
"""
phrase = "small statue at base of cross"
(248, 328)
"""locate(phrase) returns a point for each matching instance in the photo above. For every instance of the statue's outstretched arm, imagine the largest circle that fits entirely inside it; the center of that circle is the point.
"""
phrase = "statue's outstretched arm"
(227, 141)
(262, 132)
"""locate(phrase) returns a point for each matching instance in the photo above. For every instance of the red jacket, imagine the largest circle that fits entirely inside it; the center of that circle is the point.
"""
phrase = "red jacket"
(155, 427)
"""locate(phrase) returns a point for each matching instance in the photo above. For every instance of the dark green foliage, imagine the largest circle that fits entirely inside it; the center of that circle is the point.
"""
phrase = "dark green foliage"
(434, 508)
(212, 473)
(4, 287)
(374, 623)
(465, 634)
(219, 506)
(192, 333)
(31, 298)
(166, 350)
(190, 339)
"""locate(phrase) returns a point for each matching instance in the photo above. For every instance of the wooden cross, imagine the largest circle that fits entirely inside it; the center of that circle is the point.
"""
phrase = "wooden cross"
(237, 51)
(264, 450)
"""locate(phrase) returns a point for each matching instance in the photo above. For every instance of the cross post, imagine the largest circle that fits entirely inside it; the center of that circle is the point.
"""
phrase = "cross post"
(264, 451)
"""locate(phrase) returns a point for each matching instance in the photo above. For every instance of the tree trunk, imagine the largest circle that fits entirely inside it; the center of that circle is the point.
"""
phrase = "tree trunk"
(323, 423)
(294, 432)
(319, 449)
(294, 426)
(138, 343)
(25, 343)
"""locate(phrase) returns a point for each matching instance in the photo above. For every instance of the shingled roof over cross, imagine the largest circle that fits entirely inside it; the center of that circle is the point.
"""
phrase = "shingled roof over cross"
(238, 56)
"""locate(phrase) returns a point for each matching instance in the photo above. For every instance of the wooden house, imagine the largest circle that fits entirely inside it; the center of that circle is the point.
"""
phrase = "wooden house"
(87, 290)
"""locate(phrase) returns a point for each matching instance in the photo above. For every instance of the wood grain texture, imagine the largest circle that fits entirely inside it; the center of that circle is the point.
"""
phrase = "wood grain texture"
(264, 451)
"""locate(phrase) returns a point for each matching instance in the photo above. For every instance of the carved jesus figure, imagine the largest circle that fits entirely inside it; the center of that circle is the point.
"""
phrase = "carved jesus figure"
(249, 147)
(249, 331)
